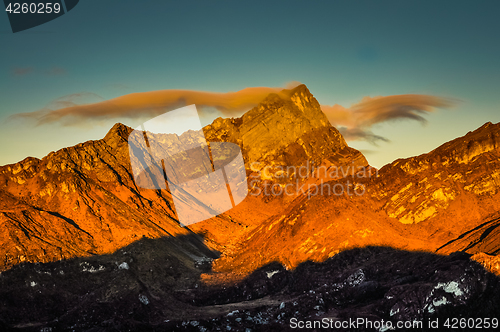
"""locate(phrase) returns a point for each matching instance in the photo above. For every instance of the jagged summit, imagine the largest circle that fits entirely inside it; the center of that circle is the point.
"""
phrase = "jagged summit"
(120, 130)
(82, 201)
(286, 128)
(297, 98)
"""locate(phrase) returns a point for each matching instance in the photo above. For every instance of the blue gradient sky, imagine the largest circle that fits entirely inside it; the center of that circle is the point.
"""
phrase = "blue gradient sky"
(342, 50)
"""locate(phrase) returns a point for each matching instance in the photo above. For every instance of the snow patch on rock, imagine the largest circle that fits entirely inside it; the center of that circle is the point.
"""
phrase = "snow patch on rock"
(270, 274)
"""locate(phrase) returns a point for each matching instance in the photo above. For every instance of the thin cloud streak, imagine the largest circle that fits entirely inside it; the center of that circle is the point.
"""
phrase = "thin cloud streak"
(149, 104)
(22, 71)
(358, 134)
(355, 123)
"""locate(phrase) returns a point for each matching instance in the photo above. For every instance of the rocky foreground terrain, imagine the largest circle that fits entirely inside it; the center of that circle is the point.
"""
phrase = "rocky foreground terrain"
(154, 285)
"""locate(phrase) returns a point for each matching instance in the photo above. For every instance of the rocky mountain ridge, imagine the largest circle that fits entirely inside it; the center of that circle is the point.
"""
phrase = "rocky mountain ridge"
(82, 200)
(445, 201)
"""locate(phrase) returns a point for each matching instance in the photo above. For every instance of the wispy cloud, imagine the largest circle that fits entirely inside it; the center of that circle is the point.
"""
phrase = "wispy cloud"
(356, 122)
(74, 99)
(61, 103)
(22, 71)
(358, 134)
(148, 104)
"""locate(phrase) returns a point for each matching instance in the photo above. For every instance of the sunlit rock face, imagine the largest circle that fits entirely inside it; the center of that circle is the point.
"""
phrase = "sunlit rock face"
(78, 201)
(446, 200)
(82, 200)
(286, 129)
(465, 168)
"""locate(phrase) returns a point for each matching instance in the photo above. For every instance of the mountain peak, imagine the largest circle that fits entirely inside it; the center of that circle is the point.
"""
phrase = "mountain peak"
(118, 133)
(286, 128)
(119, 129)
(301, 88)
(487, 124)
(301, 91)
(300, 96)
